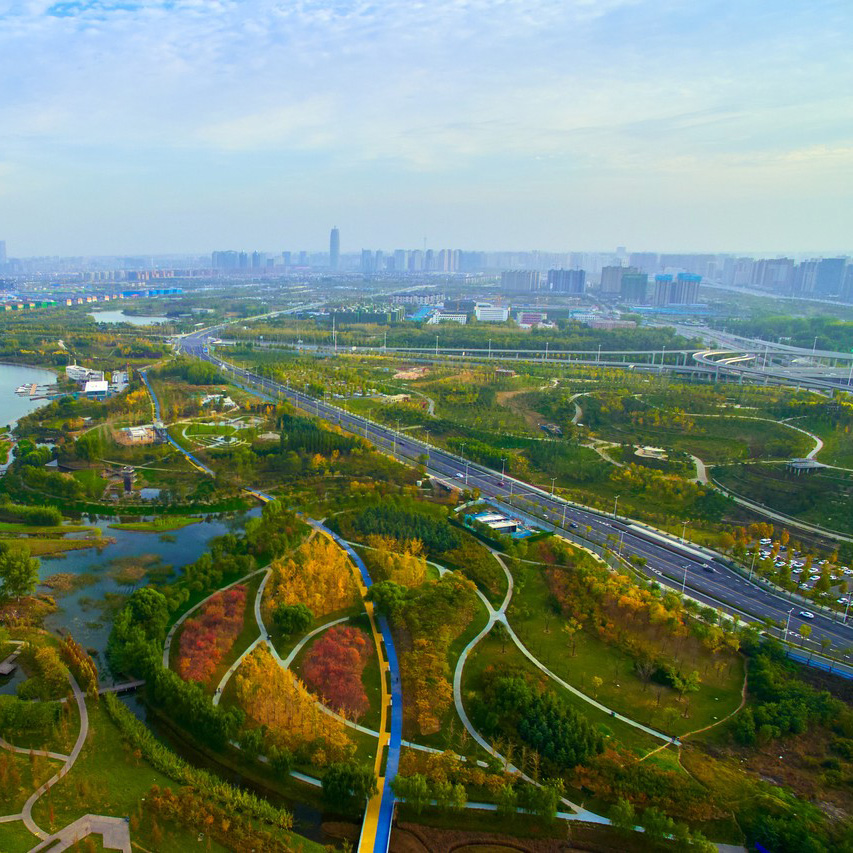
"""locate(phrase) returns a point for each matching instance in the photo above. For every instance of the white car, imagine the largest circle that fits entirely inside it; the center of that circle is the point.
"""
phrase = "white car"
(843, 600)
(798, 563)
(765, 541)
(846, 571)
(806, 614)
(796, 571)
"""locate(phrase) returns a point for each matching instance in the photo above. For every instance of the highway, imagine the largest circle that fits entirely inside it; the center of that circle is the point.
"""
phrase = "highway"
(672, 563)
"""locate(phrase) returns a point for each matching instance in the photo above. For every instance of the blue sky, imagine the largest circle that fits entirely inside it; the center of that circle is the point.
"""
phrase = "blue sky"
(172, 125)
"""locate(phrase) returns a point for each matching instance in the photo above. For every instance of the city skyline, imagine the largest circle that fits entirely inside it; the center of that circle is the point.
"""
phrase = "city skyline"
(161, 127)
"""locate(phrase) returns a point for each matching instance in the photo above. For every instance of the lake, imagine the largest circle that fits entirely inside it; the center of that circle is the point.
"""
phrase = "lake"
(106, 574)
(11, 377)
(121, 317)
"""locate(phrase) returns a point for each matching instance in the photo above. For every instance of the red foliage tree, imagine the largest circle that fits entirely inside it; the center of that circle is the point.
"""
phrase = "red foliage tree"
(206, 639)
(334, 665)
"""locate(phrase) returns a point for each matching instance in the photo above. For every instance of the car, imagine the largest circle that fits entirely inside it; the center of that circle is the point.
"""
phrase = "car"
(843, 600)
(709, 569)
(807, 614)
(846, 570)
(798, 564)
(803, 585)
(573, 524)
(459, 475)
(796, 571)
(765, 541)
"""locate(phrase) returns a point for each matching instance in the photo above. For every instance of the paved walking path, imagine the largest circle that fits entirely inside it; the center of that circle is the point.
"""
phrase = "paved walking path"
(58, 756)
(114, 831)
(27, 812)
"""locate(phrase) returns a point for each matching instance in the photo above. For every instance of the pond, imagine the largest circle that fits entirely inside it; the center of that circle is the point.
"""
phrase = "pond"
(13, 376)
(121, 317)
(96, 582)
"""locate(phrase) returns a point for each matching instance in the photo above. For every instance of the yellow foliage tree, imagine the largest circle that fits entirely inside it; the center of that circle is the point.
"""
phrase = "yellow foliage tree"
(318, 574)
(276, 698)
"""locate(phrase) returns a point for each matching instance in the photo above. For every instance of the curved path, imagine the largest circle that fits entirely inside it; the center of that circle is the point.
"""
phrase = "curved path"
(27, 812)
(20, 750)
(499, 615)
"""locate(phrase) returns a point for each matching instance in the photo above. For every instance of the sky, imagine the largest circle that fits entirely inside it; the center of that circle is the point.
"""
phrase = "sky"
(154, 126)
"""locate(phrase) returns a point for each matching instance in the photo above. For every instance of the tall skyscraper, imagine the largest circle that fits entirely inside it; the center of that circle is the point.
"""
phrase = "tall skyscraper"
(335, 248)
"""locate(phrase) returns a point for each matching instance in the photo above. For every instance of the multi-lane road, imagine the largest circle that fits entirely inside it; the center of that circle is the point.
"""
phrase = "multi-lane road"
(672, 563)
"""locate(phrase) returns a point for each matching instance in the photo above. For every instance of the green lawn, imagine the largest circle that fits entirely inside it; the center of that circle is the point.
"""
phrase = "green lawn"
(822, 498)
(92, 482)
(107, 779)
(161, 524)
(837, 444)
(623, 691)
(491, 653)
(57, 530)
(30, 772)
(717, 440)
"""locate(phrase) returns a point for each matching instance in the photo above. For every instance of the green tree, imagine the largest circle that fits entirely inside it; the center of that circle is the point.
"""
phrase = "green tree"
(414, 790)
(293, 618)
(623, 816)
(19, 573)
(150, 612)
(348, 785)
(388, 597)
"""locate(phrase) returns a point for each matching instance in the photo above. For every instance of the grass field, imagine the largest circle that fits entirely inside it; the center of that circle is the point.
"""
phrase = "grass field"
(492, 653)
(49, 547)
(160, 524)
(717, 440)
(622, 690)
(108, 779)
(822, 498)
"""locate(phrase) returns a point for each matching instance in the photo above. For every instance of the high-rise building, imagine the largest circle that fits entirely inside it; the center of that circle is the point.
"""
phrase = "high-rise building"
(830, 275)
(646, 262)
(2, 253)
(335, 248)
(683, 290)
(847, 288)
(634, 287)
(401, 259)
(367, 261)
(515, 281)
(611, 279)
(567, 281)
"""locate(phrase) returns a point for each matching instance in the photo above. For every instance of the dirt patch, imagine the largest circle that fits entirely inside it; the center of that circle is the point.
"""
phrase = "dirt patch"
(511, 400)
(414, 838)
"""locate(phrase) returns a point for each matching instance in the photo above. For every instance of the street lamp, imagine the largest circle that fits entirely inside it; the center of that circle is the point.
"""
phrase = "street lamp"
(615, 502)
(684, 530)
(503, 468)
(787, 624)
(466, 472)
(553, 480)
(754, 555)
(684, 579)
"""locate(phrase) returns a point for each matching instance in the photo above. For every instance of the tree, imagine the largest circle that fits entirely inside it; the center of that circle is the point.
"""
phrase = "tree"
(805, 633)
(150, 612)
(348, 785)
(500, 633)
(19, 573)
(658, 825)
(414, 790)
(597, 681)
(292, 618)
(388, 597)
(623, 816)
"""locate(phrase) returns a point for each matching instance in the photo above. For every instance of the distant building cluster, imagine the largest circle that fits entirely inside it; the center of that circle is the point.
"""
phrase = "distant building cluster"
(94, 384)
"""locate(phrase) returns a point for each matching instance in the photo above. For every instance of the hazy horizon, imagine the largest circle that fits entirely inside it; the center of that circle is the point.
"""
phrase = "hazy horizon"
(139, 127)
